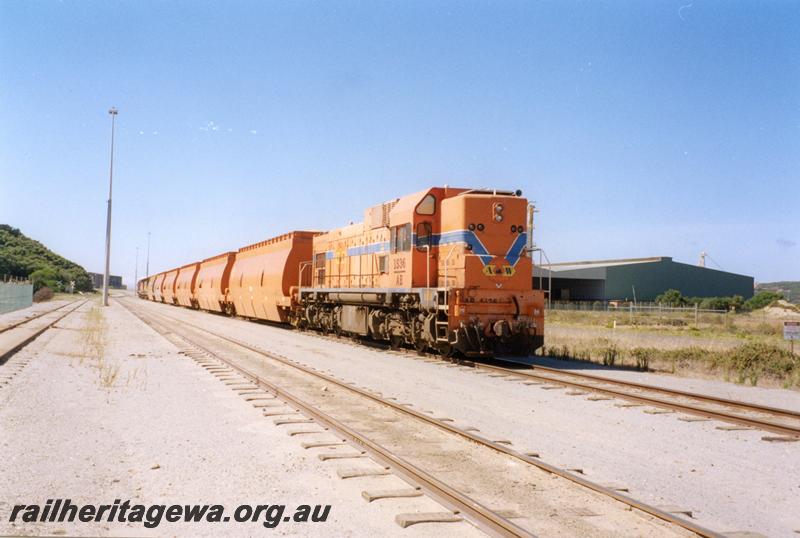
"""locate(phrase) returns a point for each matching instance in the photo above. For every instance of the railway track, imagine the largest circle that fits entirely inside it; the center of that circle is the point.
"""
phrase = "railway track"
(771, 419)
(449, 496)
(785, 422)
(36, 316)
(18, 335)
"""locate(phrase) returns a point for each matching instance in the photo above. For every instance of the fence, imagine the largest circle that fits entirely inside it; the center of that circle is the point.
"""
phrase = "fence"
(640, 313)
(15, 294)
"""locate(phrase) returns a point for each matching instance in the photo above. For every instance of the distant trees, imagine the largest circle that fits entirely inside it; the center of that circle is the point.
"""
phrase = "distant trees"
(674, 298)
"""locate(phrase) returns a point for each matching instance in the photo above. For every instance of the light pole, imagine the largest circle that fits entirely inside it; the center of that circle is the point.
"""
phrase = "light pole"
(113, 112)
(147, 268)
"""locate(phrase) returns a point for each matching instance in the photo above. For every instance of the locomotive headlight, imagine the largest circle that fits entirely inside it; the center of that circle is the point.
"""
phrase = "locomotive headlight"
(498, 212)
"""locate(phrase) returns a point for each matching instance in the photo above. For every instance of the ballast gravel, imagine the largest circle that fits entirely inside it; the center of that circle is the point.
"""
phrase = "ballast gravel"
(105, 409)
(730, 480)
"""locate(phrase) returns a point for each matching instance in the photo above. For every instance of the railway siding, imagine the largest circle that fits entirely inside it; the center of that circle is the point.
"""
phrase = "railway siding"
(654, 457)
(188, 430)
(549, 507)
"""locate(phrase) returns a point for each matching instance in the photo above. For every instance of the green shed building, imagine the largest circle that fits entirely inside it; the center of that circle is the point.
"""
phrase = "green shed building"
(641, 279)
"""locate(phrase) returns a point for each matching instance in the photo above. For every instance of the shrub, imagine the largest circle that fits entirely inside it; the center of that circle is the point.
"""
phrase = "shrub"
(722, 303)
(752, 360)
(42, 294)
(47, 277)
(642, 357)
(671, 297)
(610, 353)
(762, 299)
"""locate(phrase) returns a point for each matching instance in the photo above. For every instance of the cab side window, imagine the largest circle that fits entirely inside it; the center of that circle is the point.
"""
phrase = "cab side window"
(424, 233)
(427, 206)
(401, 238)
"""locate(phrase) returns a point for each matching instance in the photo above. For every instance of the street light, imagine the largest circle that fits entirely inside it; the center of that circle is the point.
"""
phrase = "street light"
(136, 270)
(113, 113)
(147, 267)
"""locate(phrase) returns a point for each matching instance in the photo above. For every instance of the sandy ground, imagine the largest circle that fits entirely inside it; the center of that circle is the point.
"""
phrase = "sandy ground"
(106, 409)
(730, 480)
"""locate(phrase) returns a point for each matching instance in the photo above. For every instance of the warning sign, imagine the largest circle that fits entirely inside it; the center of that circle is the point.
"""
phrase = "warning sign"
(791, 330)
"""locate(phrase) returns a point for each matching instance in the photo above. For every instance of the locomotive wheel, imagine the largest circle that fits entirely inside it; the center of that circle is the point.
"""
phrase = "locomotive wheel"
(421, 346)
(395, 341)
(446, 350)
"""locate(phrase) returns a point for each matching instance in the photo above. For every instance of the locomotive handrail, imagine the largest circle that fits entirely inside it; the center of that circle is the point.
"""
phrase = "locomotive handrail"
(301, 267)
(452, 249)
(428, 273)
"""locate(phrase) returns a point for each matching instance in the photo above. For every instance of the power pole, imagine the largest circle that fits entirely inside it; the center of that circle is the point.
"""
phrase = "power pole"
(113, 112)
(136, 270)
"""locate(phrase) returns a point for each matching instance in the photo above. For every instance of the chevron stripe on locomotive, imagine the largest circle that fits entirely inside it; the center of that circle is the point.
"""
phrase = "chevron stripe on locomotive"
(443, 269)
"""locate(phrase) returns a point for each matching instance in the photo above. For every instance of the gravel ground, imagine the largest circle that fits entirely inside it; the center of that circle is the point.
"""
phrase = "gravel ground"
(730, 480)
(106, 410)
(36, 308)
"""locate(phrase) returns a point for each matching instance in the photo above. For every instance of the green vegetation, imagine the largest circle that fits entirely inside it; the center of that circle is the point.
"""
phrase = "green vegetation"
(23, 257)
(761, 299)
(747, 363)
(789, 288)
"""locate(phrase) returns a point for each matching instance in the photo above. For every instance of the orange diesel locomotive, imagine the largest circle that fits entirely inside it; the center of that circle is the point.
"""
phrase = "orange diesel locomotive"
(444, 269)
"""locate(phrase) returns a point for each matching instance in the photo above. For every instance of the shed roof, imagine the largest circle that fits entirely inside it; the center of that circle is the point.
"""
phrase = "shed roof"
(571, 266)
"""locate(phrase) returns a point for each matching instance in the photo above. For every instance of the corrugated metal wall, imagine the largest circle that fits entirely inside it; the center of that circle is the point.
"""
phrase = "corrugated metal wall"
(14, 296)
(651, 279)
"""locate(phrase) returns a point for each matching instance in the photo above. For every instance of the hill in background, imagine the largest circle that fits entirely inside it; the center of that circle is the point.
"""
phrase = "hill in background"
(789, 288)
(23, 257)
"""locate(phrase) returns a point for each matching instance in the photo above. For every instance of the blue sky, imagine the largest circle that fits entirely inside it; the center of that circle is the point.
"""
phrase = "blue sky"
(640, 128)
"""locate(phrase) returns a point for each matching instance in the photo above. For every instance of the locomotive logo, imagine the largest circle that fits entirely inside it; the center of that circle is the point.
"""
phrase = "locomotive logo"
(499, 268)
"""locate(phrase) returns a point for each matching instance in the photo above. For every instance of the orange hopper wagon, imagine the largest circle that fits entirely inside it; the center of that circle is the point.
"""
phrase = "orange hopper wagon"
(211, 287)
(264, 273)
(185, 285)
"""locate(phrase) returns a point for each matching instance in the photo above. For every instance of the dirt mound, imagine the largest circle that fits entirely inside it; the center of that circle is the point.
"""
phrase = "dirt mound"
(782, 309)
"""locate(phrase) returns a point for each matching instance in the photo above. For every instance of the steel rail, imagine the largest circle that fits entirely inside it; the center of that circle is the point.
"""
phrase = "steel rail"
(499, 447)
(6, 354)
(38, 315)
(740, 420)
(655, 402)
(755, 408)
(478, 514)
